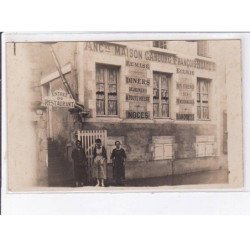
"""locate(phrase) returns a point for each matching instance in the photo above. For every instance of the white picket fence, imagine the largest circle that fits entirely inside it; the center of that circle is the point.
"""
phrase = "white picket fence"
(88, 137)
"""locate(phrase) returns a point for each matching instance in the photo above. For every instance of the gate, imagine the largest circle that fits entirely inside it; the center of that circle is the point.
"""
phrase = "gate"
(88, 137)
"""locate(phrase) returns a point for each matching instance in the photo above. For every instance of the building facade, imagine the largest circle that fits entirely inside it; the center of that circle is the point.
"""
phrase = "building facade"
(166, 101)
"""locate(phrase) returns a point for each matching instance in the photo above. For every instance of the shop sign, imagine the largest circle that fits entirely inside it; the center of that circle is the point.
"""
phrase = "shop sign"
(185, 101)
(60, 99)
(149, 56)
(138, 90)
(137, 98)
(137, 114)
(185, 117)
(138, 81)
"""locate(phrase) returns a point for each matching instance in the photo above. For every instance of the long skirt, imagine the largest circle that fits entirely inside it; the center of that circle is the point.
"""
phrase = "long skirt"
(99, 168)
(80, 173)
(119, 172)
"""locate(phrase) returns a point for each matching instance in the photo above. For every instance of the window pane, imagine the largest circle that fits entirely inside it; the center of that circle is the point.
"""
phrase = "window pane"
(100, 87)
(164, 82)
(100, 75)
(100, 107)
(156, 109)
(165, 111)
(160, 44)
(112, 88)
(198, 97)
(112, 76)
(164, 94)
(205, 98)
(156, 94)
(199, 112)
(112, 107)
(156, 81)
(205, 113)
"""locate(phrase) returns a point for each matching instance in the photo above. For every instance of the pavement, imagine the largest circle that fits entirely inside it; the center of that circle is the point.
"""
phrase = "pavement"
(198, 181)
(204, 177)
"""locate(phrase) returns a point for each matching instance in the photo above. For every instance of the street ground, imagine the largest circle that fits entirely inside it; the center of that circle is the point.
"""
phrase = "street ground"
(198, 181)
(205, 177)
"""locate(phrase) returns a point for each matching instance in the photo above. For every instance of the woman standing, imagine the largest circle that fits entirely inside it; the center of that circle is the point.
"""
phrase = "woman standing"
(118, 157)
(79, 157)
(100, 162)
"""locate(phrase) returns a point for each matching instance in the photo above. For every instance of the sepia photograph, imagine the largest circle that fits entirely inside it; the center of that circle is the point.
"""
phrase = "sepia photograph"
(150, 115)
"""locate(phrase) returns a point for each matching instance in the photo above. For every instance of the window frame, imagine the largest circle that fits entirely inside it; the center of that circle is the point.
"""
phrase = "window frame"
(160, 89)
(161, 44)
(202, 103)
(107, 68)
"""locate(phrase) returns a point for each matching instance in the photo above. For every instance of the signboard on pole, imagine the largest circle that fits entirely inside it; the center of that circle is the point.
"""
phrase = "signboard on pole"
(60, 99)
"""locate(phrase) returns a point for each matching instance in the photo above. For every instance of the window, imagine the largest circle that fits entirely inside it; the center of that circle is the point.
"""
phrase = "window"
(203, 98)
(205, 146)
(202, 48)
(161, 94)
(163, 147)
(106, 90)
(160, 44)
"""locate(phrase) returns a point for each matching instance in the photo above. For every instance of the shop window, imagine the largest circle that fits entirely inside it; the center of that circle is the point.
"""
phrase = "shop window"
(203, 48)
(205, 146)
(160, 44)
(161, 94)
(106, 90)
(163, 147)
(203, 86)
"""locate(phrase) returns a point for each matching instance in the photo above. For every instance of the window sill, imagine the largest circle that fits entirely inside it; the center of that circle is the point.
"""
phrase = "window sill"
(206, 156)
(108, 119)
(204, 120)
(162, 119)
(107, 116)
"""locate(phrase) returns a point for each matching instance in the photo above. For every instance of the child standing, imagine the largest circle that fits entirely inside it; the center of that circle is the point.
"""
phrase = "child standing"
(100, 162)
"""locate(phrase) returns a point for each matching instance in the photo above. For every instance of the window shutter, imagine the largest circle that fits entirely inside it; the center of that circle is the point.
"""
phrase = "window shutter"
(168, 151)
(159, 152)
(200, 149)
(209, 149)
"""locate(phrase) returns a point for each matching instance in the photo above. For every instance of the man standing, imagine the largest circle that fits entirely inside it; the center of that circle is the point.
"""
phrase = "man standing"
(118, 157)
(79, 157)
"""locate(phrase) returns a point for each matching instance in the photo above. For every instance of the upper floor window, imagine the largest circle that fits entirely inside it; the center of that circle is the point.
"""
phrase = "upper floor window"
(106, 90)
(160, 44)
(202, 48)
(203, 98)
(161, 94)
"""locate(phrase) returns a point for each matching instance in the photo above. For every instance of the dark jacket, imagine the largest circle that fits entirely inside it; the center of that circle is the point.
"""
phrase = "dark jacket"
(104, 153)
(79, 156)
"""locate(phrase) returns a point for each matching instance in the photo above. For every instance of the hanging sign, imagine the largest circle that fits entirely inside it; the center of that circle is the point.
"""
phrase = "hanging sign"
(60, 99)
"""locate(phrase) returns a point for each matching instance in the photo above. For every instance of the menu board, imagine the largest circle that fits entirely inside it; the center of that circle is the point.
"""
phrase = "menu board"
(137, 96)
(185, 100)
